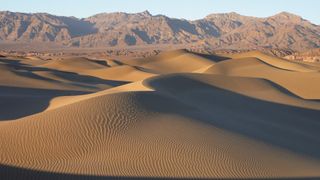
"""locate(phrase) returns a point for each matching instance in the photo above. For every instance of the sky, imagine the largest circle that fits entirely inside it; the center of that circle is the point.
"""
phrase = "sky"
(187, 9)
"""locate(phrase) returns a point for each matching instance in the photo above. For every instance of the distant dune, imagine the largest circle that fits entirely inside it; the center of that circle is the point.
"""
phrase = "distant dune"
(175, 115)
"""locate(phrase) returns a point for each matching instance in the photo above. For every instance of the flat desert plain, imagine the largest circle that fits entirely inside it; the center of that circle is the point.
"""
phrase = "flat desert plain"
(175, 115)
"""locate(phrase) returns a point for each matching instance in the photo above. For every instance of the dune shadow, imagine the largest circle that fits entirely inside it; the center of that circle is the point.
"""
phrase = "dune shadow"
(100, 62)
(289, 93)
(212, 57)
(292, 128)
(16, 173)
(74, 78)
(16, 102)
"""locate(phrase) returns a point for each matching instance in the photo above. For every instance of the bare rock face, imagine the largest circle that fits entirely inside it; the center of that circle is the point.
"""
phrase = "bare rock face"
(41, 27)
(228, 30)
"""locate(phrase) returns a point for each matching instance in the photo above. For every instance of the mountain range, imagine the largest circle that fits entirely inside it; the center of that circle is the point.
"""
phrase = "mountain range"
(219, 31)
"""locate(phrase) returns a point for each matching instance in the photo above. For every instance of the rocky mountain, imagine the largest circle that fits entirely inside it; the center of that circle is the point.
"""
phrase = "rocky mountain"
(41, 27)
(222, 31)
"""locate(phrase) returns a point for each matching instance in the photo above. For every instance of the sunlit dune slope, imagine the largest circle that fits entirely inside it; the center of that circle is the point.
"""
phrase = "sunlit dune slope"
(277, 62)
(173, 62)
(303, 84)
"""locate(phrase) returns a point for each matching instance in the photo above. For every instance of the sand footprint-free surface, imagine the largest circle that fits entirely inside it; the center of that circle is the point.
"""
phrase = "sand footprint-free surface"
(176, 115)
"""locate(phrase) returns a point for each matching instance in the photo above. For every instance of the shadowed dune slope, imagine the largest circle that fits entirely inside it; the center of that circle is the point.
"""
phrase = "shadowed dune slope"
(20, 74)
(107, 70)
(303, 84)
(18, 102)
(180, 115)
(27, 89)
(257, 88)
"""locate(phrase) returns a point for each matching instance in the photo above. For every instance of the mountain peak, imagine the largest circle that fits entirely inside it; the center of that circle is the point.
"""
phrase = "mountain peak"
(287, 16)
(230, 15)
(224, 14)
(145, 13)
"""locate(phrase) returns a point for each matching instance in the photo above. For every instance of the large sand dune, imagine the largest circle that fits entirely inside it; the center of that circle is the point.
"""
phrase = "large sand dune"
(176, 115)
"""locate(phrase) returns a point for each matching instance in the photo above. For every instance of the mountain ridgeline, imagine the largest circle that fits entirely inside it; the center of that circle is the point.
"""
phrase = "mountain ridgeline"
(225, 31)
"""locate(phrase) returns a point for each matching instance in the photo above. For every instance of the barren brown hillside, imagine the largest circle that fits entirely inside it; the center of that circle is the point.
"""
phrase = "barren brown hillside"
(223, 31)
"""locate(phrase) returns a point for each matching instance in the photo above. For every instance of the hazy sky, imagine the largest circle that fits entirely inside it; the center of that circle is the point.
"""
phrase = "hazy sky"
(188, 9)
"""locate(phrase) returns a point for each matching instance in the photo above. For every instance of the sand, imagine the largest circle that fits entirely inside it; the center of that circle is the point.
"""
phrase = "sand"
(176, 115)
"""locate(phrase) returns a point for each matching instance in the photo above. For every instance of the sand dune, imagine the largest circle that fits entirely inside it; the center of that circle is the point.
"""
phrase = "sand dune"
(173, 62)
(107, 70)
(75, 64)
(252, 87)
(66, 100)
(124, 73)
(303, 84)
(29, 89)
(277, 62)
(179, 115)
